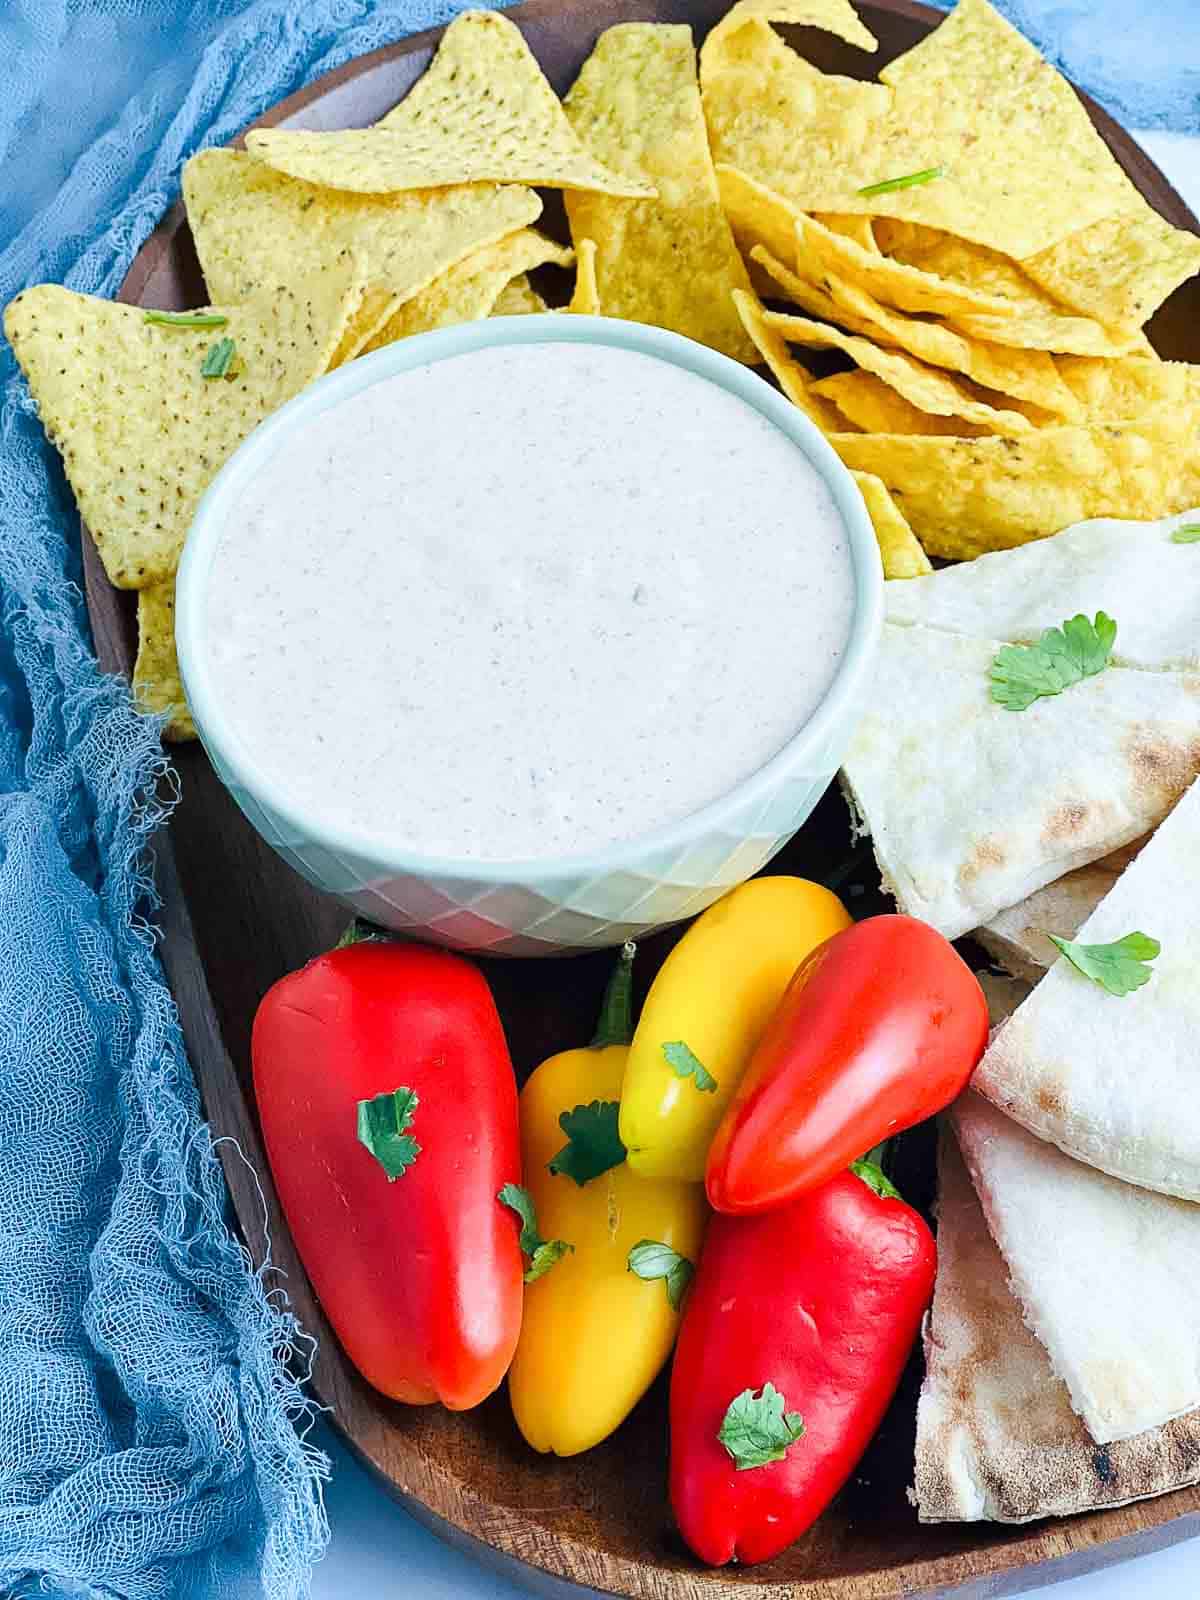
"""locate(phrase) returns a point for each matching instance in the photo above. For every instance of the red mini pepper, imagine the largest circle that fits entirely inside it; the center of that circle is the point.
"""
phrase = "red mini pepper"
(880, 1028)
(397, 1049)
(795, 1334)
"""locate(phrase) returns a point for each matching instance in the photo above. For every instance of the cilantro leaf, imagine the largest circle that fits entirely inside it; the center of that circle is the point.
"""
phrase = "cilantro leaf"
(218, 362)
(909, 181)
(1023, 673)
(684, 1064)
(542, 1253)
(186, 319)
(1118, 968)
(382, 1125)
(756, 1431)
(650, 1259)
(1186, 533)
(593, 1143)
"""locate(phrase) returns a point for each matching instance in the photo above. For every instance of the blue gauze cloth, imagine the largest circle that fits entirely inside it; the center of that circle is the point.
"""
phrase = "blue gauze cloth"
(148, 1444)
(148, 1421)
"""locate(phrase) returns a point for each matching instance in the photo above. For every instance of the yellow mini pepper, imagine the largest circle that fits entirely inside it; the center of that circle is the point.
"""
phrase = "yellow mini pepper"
(595, 1334)
(705, 1013)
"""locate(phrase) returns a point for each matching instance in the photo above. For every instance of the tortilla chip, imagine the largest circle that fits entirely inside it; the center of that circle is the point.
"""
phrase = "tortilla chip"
(831, 16)
(974, 100)
(670, 261)
(483, 111)
(892, 282)
(253, 225)
(469, 291)
(141, 432)
(1078, 336)
(518, 299)
(1057, 328)
(925, 387)
(1029, 376)
(874, 406)
(376, 309)
(964, 497)
(585, 302)
(1122, 268)
(901, 554)
(860, 229)
(1119, 391)
(157, 687)
(792, 378)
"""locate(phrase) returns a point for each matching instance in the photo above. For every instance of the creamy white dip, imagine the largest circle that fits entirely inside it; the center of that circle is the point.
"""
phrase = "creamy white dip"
(529, 601)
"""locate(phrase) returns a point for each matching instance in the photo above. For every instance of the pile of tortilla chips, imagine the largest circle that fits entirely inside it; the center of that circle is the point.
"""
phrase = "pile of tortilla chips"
(946, 270)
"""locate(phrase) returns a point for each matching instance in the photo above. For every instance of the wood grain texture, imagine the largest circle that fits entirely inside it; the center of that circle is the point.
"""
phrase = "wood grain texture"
(236, 919)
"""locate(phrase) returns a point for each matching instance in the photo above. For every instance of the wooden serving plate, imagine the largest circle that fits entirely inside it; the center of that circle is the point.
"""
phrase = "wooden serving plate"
(236, 919)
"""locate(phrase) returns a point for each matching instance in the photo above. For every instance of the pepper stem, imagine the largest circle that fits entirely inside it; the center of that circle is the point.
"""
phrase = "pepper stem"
(616, 1014)
(360, 931)
(870, 1169)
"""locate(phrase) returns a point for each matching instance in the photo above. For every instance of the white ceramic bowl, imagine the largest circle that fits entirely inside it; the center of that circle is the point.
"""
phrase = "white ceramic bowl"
(540, 907)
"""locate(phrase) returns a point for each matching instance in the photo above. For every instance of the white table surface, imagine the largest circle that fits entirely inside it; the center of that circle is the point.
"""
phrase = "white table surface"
(378, 1551)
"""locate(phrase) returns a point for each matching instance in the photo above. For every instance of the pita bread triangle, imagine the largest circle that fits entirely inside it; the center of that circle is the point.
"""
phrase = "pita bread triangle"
(973, 807)
(996, 1435)
(1104, 1273)
(1114, 1081)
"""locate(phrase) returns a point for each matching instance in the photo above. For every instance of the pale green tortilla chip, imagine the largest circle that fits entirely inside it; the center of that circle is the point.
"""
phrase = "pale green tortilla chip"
(483, 111)
(157, 687)
(1020, 165)
(670, 261)
(253, 225)
(924, 387)
(141, 432)
(792, 378)
(964, 497)
(518, 299)
(876, 407)
(899, 550)
(1122, 268)
(468, 292)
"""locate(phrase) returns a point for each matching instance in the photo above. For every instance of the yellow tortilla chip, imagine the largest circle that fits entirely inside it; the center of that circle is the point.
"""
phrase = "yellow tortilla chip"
(925, 387)
(157, 687)
(469, 291)
(141, 432)
(1121, 269)
(1120, 391)
(252, 225)
(1080, 336)
(874, 406)
(974, 102)
(899, 548)
(518, 299)
(483, 111)
(964, 497)
(1056, 326)
(792, 378)
(377, 308)
(1026, 375)
(585, 302)
(670, 261)
(893, 283)
(831, 16)
(860, 229)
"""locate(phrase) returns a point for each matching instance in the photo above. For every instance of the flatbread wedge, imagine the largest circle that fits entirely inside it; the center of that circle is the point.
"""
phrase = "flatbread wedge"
(997, 1438)
(1112, 1081)
(1107, 1288)
(1017, 937)
(972, 807)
